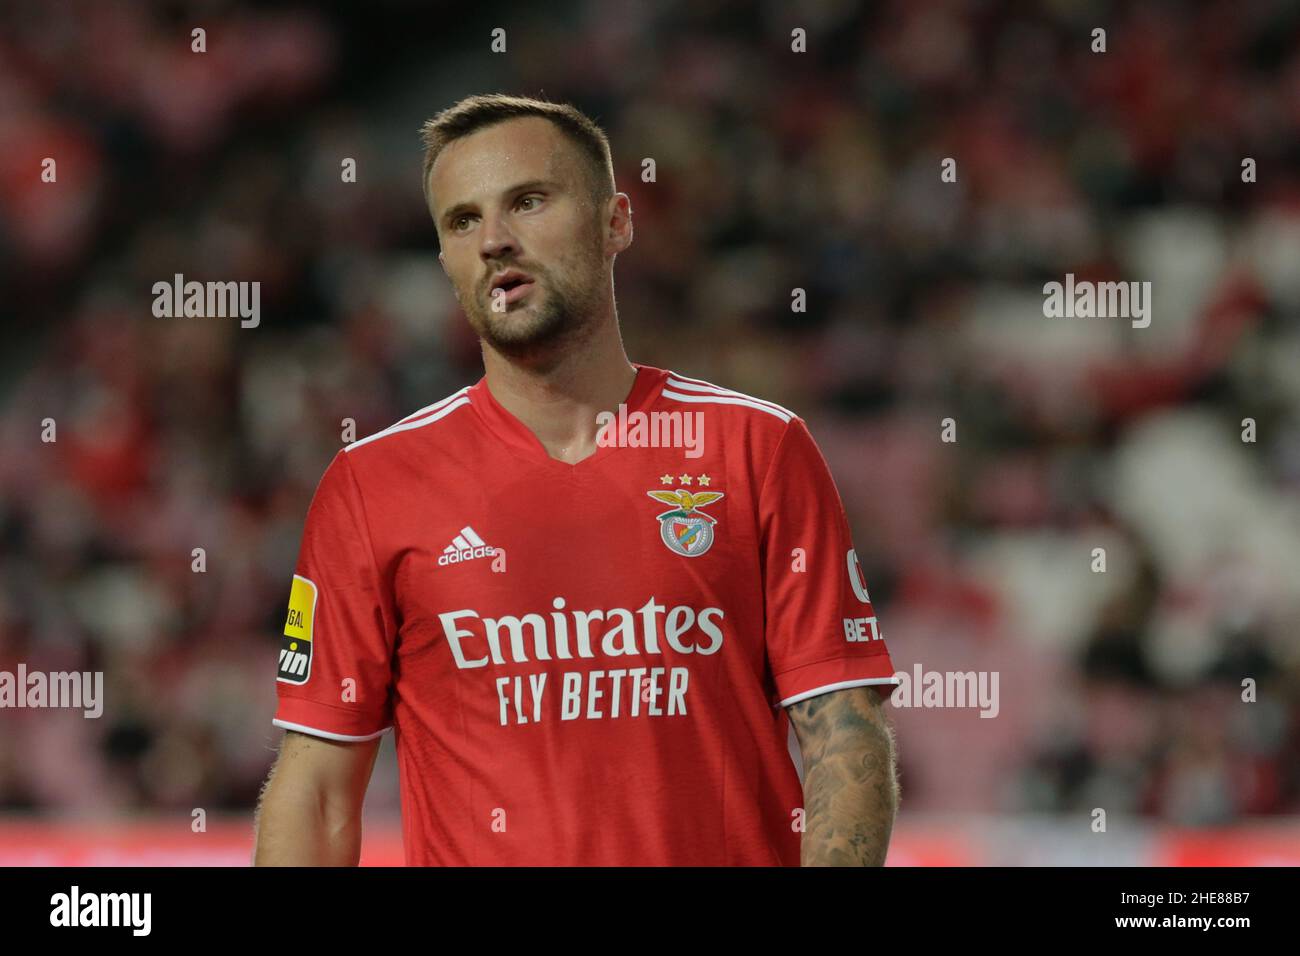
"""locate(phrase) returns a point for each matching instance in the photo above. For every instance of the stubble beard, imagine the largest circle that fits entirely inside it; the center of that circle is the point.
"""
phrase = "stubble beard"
(555, 315)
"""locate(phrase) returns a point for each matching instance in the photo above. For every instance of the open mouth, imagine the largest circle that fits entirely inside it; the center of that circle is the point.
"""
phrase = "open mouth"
(511, 288)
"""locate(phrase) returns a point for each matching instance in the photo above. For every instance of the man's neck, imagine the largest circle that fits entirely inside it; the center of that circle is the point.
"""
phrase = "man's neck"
(559, 403)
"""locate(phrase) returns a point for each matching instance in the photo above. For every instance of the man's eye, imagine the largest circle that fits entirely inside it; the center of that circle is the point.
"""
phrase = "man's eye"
(455, 223)
(530, 199)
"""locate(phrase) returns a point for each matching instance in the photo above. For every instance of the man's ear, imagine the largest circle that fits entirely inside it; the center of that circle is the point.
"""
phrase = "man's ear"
(619, 213)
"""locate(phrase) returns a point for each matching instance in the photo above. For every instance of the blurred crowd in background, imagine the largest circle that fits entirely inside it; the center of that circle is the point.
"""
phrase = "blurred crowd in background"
(1119, 688)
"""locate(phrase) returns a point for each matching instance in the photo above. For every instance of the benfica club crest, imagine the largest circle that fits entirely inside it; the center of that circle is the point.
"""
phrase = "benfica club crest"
(686, 530)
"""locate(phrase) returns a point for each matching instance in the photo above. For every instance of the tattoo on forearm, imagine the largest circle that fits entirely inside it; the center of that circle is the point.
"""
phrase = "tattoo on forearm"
(850, 783)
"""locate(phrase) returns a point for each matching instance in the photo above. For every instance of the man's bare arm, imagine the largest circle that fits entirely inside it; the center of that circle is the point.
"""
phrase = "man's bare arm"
(309, 813)
(850, 783)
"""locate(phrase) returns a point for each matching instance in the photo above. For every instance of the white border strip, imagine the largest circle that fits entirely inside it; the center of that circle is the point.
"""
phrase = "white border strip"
(725, 400)
(435, 406)
(405, 424)
(303, 729)
(697, 385)
(839, 686)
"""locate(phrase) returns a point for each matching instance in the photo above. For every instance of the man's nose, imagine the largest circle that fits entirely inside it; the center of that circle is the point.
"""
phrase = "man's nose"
(496, 238)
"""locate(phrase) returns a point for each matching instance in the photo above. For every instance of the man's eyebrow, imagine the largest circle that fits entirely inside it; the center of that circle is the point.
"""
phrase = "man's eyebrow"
(460, 207)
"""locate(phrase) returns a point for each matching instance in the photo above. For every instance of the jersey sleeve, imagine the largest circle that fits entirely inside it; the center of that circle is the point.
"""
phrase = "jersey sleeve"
(821, 631)
(334, 678)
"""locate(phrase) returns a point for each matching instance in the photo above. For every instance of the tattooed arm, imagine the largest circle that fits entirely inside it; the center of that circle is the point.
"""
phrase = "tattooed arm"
(850, 786)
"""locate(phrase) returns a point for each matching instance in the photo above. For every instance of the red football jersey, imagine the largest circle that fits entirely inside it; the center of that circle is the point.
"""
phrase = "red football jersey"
(583, 664)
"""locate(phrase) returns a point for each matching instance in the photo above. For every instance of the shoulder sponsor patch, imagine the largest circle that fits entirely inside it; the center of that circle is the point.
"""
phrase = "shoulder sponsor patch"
(295, 646)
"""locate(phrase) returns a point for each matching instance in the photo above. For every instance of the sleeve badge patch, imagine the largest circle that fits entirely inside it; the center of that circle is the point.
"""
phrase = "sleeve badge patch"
(295, 646)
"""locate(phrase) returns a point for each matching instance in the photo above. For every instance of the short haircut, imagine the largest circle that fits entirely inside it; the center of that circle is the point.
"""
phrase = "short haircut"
(478, 112)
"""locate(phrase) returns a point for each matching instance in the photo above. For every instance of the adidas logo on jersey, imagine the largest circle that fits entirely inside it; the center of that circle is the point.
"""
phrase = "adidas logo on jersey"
(465, 547)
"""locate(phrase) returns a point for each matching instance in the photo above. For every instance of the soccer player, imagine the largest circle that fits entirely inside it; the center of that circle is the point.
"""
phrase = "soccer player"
(612, 614)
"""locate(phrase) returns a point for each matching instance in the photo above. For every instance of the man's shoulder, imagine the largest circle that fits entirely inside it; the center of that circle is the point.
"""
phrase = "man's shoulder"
(437, 420)
(751, 426)
(730, 406)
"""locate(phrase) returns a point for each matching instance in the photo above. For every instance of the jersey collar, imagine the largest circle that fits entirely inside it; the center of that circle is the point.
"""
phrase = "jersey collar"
(520, 438)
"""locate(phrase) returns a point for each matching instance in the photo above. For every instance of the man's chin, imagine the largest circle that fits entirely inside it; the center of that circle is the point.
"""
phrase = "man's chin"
(520, 332)
(519, 323)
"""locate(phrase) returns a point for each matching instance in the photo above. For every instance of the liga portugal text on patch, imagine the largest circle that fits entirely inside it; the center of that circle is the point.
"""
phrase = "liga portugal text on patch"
(295, 648)
(582, 664)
